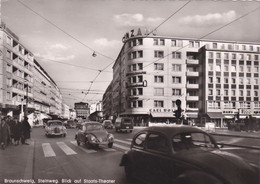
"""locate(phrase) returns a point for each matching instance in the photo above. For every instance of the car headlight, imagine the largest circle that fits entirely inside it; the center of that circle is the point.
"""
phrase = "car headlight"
(93, 138)
(110, 137)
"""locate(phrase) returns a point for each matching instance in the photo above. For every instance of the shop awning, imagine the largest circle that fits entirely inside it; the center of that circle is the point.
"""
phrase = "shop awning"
(228, 116)
(162, 114)
(192, 115)
(215, 115)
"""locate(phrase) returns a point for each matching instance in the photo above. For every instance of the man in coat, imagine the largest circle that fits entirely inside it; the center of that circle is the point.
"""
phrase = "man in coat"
(26, 131)
(3, 133)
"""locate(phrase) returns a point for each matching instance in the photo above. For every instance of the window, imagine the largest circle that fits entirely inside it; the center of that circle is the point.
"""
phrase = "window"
(8, 54)
(162, 42)
(140, 78)
(256, 93)
(251, 48)
(176, 92)
(256, 81)
(135, 104)
(158, 103)
(193, 44)
(158, 66)
(176, 80)
(248, 81)
(226, 56)
(211, 55)
(176, 43)
(140, 41)
(140, 54)
(210, 92)
(248, 68)
(157, 143)
(256, 69)
(241, 81)
(218, 79)
(218, 67)
(211, 67)
(210, 79)
(218, 91)
(218, 55)
(241, 68)
(233, 81)
(233, 68)
(158, 79)
(158, 91)
(248, 93)
(139, 140)
(234, 56)
(241, 56)
(155, 42)
(226, 68)
(248, 57)
(176, 67)
(176, 55)
(158, 54)
(8, 40)
(226, 80)
(241, 92)
(233, 92)
(256, 57)
(140, 66)
(215, 45)
(243, 47)
(226, 92)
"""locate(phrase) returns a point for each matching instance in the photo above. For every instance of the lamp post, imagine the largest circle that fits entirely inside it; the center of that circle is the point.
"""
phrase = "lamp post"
(26, 106)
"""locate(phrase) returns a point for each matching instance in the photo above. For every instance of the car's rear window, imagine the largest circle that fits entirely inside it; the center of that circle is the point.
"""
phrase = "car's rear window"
(94, 127)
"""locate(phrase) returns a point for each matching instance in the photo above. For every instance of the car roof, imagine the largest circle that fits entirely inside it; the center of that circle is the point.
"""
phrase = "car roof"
(171, 130)
(92, 123)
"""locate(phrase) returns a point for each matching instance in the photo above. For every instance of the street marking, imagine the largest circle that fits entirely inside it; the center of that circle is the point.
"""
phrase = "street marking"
(47, 150)
(83, 149)
(121, 147)
(109, 149)
(234, 148)
(67, 150)
(125, 142)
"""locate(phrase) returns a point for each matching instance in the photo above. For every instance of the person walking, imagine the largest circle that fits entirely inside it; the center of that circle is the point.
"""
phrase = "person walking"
(26, 131)
(3, 133)
(17, 131)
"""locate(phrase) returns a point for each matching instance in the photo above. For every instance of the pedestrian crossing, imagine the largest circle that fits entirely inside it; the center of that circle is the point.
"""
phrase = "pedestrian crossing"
(71, 148)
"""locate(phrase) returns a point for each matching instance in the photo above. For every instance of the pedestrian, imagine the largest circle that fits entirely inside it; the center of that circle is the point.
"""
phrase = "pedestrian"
(3, 133)
(26, 131)
(17, 131)
(10, 124)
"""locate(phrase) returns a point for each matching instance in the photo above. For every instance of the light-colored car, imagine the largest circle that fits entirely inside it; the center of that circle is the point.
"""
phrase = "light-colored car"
(55, 128)
(93, 134)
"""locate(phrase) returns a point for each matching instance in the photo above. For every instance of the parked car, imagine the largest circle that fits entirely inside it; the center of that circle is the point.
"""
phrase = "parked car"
(108, 124)
(70, 124)
(55, 127)
(93, 134)
(124, 124)
(183, 154)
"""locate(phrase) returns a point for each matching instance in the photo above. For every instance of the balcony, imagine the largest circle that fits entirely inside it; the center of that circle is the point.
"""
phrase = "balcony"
(192, 61)
(193, 86)
(192, 74)
(192, 98)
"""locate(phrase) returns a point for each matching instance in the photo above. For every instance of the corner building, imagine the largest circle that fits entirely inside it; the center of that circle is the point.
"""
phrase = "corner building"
(152, 72)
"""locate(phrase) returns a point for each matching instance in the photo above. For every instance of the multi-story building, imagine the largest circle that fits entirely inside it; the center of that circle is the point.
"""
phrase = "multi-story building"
(16, 73)
(107, 102)
(152, 72)
(82, 110)
(25, 85)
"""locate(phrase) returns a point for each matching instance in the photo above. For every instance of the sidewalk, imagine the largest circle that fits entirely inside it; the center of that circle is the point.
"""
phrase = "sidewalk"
(226, 132)
(17, 162)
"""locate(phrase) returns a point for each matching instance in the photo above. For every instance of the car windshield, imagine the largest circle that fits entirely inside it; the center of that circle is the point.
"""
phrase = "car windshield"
(94, 127)
(191, 140)
(55, 123)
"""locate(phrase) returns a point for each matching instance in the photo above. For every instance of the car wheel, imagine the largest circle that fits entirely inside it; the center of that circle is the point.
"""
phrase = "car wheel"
(110, 145)
(78, 143)
(88, 145)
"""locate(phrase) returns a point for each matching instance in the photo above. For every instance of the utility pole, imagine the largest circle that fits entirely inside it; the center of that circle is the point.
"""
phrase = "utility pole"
(26, 106)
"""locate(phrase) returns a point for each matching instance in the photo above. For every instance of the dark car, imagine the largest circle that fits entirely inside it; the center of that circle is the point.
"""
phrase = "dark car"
(184, 155)
(70, 124)
(108, 124)
(94, 134)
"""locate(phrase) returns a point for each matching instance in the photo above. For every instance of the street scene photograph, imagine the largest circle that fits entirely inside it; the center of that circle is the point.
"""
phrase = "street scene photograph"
(129, 92)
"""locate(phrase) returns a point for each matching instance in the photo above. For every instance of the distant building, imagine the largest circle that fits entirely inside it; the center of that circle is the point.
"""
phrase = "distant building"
(214, 80)
(82, 110)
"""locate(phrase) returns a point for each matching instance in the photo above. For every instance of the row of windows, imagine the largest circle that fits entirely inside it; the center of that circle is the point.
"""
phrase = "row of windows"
(17, 72)
(234, 92)
(232, 105)
(233, 68)
(234, 56)
(18, 60)
(159, 104)
(254, 81)
(197, 44)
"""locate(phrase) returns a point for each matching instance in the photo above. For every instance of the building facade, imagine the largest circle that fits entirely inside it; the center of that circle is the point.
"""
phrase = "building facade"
(82, 110)
(25, 85)
(152, 72)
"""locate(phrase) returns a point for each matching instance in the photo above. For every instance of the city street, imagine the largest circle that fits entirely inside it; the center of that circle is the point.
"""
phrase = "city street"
(60, 159)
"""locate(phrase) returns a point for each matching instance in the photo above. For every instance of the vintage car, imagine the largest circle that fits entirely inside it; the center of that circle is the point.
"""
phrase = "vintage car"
(54, 128)
(108, 124)
(184, 155)
(93, 134)
(70, 124)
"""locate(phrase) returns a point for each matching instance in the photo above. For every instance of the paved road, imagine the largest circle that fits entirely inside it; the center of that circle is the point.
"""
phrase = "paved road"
(49, 159)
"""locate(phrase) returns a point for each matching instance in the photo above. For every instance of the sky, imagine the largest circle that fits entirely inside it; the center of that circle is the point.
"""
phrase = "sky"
(64, 34)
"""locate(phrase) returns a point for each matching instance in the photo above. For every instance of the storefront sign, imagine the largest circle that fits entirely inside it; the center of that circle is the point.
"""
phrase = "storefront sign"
(162, 110)
(131, 34)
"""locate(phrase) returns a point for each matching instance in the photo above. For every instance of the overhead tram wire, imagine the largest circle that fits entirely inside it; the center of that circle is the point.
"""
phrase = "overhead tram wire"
(65, 31)
(221, 27)
(87, 45)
